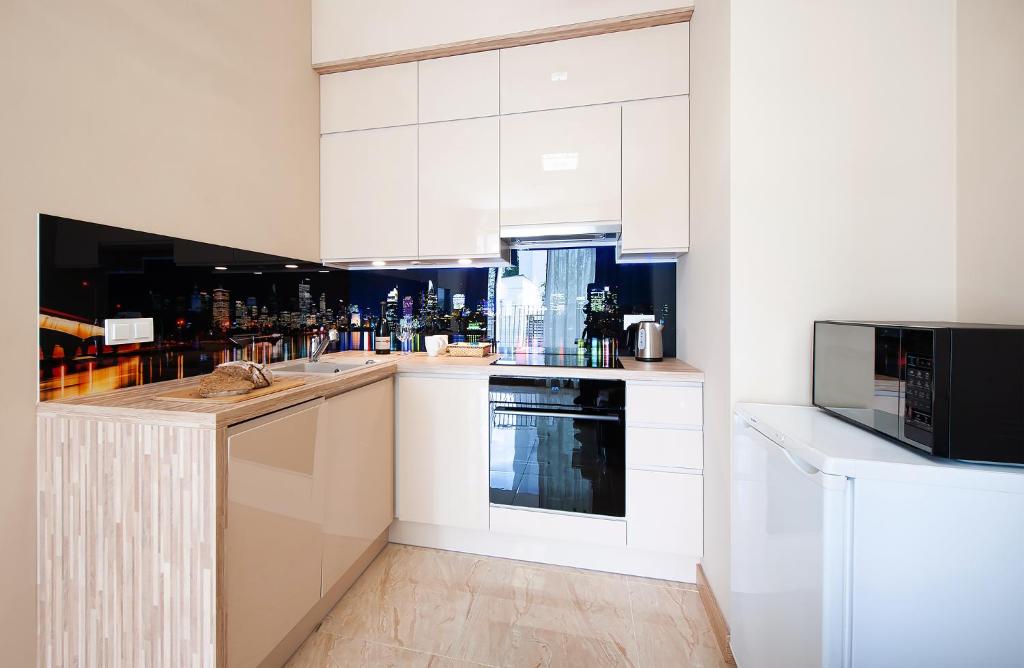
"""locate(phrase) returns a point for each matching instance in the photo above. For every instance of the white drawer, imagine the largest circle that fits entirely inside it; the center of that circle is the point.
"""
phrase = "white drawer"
(664, 448)
(652, 404)
(558, 526)
(665, 512)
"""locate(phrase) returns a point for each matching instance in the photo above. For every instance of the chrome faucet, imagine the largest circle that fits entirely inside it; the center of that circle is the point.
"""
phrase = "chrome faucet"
(319, 344)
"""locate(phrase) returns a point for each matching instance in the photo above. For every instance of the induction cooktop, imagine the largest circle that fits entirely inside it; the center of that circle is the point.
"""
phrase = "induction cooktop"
(575, 361)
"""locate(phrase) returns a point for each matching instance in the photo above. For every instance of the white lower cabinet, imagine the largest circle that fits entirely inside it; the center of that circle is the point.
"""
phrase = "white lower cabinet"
(665, 512)
(442, 455)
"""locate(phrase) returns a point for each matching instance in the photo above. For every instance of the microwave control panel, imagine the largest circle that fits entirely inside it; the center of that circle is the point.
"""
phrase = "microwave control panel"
(920, 391)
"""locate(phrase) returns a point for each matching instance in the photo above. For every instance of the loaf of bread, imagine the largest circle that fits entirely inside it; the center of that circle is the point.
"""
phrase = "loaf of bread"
(234, 378)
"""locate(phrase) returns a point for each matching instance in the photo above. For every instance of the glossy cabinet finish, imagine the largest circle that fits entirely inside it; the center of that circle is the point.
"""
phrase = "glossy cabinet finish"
(657, 404)
(665, 448)
(629, 65)
(587, 529)
(458, 192)
(458, 87)
(358, 469)
(442, 451)
(368, 200)
(656, 175)
(665, 512)
(372, 98)
(274, 530)
(561, 166)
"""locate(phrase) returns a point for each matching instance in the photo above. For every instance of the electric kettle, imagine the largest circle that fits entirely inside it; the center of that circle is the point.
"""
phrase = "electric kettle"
(648, 340)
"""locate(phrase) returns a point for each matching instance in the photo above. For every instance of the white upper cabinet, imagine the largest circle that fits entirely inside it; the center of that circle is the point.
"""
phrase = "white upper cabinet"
(378, 97)
(561, 166)
(629, 65)
(458, 191)
(459, 87)
(656, 175)
(368, 201)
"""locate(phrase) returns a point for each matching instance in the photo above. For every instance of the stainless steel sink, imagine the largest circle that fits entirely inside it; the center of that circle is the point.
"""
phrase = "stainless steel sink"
(321, 367)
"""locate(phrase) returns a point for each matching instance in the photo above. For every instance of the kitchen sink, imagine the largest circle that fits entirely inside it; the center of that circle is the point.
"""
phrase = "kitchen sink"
(321, 367)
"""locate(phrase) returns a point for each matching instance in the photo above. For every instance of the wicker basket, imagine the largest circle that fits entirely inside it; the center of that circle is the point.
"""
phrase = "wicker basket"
(469, 349)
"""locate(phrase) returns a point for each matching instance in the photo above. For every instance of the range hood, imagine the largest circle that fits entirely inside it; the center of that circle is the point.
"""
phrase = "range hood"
(561, 235)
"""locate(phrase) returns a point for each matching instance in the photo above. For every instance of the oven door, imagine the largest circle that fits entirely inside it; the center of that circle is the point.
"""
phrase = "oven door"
(559, 458)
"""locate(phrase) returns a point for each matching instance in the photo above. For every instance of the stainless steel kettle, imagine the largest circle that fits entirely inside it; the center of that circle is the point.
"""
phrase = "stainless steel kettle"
(647, 336)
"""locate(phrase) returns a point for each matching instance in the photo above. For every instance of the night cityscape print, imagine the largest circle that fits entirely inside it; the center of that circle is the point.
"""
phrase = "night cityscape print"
(213, 304)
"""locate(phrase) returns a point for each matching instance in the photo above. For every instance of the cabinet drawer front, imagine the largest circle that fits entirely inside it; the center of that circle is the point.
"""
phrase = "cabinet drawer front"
(561, 166)
(668, 448)
(669, 405)
(665, 512)
(459, 87)
(377, 97)
(629, 65)
(556, 526)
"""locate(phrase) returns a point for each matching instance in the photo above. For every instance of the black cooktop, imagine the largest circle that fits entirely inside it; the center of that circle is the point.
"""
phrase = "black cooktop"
(577, 361)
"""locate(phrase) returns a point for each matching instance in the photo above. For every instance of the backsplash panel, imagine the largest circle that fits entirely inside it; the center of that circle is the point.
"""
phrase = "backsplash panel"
(211, 304)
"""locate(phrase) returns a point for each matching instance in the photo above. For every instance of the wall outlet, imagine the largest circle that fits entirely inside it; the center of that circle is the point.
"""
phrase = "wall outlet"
(118, 331)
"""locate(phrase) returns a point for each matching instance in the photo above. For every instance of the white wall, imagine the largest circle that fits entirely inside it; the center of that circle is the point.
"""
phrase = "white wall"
(841, 149)
(843, 173)
(196, 119)
(702, 275)
(990, 150)
(354, 28)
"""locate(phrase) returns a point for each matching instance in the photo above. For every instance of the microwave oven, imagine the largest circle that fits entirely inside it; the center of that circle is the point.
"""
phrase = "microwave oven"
(952, 390)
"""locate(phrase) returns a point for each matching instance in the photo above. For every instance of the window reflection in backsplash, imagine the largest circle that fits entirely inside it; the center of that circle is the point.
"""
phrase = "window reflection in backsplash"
(211, 304)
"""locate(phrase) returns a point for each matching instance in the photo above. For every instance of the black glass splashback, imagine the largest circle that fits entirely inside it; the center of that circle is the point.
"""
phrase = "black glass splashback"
(211, 304)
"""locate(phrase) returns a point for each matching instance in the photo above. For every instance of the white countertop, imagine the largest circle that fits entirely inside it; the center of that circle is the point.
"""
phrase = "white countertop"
(838, 448)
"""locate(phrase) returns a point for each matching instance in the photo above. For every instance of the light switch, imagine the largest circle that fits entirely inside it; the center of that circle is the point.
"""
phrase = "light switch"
(118, 331)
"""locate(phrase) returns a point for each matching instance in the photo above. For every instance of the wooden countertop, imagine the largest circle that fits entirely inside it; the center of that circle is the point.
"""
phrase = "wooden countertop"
(140, 404)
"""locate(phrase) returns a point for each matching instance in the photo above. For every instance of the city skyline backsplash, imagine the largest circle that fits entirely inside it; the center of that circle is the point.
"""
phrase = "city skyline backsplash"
(212, 304)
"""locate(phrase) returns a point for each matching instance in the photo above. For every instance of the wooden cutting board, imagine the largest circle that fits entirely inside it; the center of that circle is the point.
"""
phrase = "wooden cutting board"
(192, 393)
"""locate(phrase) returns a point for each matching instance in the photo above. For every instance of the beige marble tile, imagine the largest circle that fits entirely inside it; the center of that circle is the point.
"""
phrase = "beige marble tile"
(324, 650)
(672, 628)
(414, 606)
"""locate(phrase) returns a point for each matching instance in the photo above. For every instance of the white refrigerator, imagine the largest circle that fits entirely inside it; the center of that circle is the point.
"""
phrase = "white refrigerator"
(850, 550)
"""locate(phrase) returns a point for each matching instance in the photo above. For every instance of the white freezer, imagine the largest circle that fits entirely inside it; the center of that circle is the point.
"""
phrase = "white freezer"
(849, 550)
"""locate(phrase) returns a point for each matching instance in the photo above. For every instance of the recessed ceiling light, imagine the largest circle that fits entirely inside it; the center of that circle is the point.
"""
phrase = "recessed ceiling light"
(465, 260)
(415, 262)
(220, 268)
(258, 273)
(291, 266)
(325, 271)
(379, 263)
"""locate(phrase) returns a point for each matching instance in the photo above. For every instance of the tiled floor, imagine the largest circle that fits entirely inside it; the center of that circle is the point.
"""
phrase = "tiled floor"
(419, 607)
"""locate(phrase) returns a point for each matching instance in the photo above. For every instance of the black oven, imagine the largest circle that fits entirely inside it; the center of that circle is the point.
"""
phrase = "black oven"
(558, 444)
(950, 389)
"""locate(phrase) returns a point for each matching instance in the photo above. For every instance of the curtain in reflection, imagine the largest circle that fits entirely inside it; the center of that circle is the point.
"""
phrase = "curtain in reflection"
(569, 272)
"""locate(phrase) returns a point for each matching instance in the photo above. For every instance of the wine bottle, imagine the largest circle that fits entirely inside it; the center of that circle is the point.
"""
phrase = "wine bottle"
(382, 336)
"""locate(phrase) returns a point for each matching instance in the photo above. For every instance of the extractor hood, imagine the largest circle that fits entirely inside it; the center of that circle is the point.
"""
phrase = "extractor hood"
(561, 235)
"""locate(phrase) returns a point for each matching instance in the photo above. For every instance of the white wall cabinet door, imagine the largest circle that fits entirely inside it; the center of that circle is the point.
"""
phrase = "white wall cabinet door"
(629, 65)
(377, 97)
(442, 451)
(561, 166)
(358, 454)
(458, 190)
(665, 512)
(368, 201)
(656, 175)
(459, 87)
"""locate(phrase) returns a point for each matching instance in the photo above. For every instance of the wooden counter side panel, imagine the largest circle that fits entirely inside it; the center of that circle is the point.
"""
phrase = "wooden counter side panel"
(127, 551)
